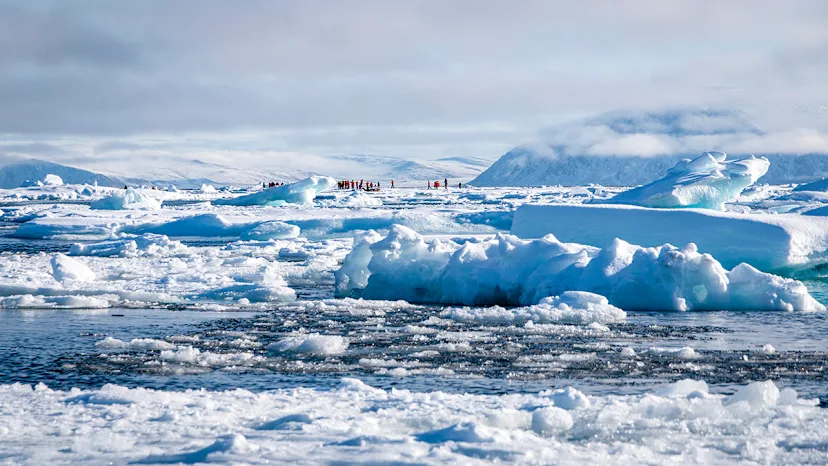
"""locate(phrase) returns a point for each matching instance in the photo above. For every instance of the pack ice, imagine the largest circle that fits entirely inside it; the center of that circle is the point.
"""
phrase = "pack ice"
(301, 192)
(508, 270)
(708, 181)
(680, 423)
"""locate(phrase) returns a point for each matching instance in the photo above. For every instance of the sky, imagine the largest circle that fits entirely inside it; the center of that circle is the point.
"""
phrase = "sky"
(99, 83)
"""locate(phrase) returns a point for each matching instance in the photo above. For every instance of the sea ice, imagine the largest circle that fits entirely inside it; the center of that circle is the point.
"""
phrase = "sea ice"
(52, 180)
(779, 243)
(571, 307)
(312, 343)
(129, 199)
(679, 423)
(708, 181)
(65, 268)
(301, 192)
(511, 271)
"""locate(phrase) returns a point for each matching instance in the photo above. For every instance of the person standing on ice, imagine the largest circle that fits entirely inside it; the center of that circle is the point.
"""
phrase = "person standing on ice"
(392, 184)
(429, 184)
(445, 183)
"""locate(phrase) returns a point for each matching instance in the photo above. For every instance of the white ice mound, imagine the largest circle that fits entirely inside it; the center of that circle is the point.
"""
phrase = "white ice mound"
(778, 243)
(359, 199)
(507, 270)
(65, 268)
(301, 192)
(128, 199)
(271, 230)
(52, 180)
(571, 307)
(708, 181)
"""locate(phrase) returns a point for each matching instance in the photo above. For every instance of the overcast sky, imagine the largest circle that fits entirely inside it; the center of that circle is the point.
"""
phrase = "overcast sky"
(84, 82)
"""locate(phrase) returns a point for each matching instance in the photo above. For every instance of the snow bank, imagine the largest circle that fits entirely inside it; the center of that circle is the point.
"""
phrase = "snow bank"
(781, 243)
(129, 199)
(708, 181)
(682, 423)
(301, 192)
(67, 269)
(509, 270)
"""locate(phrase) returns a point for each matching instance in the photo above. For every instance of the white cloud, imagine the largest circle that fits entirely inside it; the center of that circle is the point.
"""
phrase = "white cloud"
(644, 145)
(371, 76)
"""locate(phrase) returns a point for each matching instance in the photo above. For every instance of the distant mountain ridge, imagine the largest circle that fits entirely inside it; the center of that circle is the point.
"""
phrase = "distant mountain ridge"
(18, 174)
(588, 152)
(189, 174)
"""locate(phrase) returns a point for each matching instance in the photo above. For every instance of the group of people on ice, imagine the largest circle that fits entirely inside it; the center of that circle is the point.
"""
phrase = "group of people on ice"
(436, 184)
(272, 184)
(361, 185)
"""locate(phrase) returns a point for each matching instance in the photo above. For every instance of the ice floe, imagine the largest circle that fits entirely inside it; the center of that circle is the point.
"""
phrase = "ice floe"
(301, 192)
(512, 271)
(128, 199)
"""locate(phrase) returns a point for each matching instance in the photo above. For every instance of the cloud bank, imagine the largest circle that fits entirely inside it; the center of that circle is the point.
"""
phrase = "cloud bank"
(418, 79)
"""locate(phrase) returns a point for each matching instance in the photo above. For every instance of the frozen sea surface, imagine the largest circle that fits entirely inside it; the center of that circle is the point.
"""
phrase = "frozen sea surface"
(410, 348)
(219, 377)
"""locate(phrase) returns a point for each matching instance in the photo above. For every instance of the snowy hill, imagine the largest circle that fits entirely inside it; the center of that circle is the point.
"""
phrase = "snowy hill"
(19, 174)
(193, 173)
(189, 174)
(625, 149)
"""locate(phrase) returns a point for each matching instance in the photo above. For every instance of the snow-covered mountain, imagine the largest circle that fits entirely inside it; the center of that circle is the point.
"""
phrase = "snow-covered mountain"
(625, 149)
(22, 173)
(193, 173)
(401, 169)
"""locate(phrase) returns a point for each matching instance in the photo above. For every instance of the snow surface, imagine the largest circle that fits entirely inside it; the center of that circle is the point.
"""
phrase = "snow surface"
(708, 181)
(679, 423)
(507, 270)
(780, 243)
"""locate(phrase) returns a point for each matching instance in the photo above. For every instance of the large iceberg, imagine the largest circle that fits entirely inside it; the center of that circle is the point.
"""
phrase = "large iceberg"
(507, 270)
(708, 181)
(301, 192)
(778, 243)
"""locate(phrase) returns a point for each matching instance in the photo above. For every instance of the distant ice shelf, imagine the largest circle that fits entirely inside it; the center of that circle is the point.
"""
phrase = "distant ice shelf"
(778, 243)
